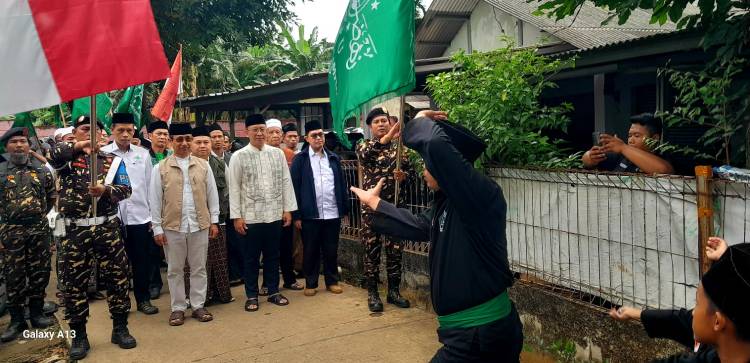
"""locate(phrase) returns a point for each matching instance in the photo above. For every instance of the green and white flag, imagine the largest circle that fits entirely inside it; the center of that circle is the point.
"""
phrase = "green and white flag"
(82, 106)
(373, 58)
(132, 102)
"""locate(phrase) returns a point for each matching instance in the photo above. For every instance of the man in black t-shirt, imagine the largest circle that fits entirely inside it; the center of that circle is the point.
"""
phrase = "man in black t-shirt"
(613, 154)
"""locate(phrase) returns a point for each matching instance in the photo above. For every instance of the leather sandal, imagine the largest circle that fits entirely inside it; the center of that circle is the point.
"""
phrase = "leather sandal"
(252, 305)
(278, 299)
(177, 318)
(202, 315)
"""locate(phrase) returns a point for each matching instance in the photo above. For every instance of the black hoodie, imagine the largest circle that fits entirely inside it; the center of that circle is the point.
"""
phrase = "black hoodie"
(465, 224)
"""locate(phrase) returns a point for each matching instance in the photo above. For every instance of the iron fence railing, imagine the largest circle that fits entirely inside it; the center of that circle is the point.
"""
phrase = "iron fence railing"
(417, 200)
(604, 239)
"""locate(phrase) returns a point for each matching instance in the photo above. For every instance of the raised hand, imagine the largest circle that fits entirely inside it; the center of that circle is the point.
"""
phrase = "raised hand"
(370, 197)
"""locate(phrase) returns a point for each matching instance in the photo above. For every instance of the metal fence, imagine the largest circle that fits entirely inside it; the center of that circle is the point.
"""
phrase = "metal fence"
(417, 200)
(603, 239)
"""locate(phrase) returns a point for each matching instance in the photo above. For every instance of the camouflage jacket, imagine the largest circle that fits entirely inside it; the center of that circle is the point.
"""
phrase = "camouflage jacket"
(26, 192)
(379, 161)
(220, 177)
(73, 171)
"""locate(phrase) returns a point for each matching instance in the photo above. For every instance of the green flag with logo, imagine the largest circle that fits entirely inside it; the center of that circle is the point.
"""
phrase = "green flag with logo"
(82, 106)
(373, 58)
(131, 102)
(24, 120)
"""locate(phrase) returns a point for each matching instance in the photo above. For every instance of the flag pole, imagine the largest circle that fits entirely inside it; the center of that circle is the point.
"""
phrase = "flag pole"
(62, 115)
(402, 111)
(94, 138)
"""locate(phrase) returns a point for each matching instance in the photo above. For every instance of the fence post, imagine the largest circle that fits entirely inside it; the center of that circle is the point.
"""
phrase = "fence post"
(703, 176)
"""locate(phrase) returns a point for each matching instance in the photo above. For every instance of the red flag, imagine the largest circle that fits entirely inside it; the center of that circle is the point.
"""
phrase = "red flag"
(165, 104)
(56, 51)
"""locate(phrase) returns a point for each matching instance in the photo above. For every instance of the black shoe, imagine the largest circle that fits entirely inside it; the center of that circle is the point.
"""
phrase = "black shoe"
(120, 334)
(97, 295)
(394, 296)
(80, 347)
(146, 308)
(49, 308)
(36, 316)
(155, 292)
(17, 325)
(373, 297)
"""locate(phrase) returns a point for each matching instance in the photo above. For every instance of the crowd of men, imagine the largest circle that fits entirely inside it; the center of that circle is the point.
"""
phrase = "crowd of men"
(216, 216)
(178, 197)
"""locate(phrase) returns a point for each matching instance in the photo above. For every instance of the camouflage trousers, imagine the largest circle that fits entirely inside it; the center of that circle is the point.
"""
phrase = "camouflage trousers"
(103, 244)
(26, 261)
(373, 246)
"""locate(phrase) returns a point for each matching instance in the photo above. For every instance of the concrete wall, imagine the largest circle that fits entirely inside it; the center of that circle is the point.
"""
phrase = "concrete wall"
(488, 25)
(547, 318)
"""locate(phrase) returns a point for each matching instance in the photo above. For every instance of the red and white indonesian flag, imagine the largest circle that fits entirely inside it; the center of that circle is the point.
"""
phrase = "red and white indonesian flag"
(172, 88)
(52, 51)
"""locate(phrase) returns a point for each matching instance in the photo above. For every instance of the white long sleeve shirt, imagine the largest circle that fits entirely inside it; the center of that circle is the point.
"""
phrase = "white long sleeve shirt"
(324, 181)
(135, 210)
(189, 221)
(260, 186)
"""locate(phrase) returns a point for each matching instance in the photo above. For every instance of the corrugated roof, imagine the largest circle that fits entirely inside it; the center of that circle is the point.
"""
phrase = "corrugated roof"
(585, 29)
(444, 19)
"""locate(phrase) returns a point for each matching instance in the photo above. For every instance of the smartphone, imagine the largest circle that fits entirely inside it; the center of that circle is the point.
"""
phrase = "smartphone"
(595, 137)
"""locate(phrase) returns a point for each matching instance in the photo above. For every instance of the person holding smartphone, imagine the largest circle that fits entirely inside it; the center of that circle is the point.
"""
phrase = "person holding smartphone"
(636, 156)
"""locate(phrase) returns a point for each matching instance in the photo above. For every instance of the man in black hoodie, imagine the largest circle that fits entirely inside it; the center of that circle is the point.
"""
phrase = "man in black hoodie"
(465, 225)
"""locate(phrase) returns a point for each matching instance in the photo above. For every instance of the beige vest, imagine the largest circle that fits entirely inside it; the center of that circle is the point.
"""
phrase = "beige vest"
(172, 184)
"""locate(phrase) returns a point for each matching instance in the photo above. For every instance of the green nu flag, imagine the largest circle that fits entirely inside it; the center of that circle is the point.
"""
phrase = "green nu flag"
(373, 57)
(24, 120)
(82, 106)
(131, 102)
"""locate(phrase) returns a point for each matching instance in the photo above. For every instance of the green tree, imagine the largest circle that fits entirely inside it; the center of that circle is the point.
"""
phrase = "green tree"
(197, 23)
(496, 95)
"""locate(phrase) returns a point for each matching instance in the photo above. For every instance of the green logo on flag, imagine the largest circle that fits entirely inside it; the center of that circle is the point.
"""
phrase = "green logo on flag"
(373, 58)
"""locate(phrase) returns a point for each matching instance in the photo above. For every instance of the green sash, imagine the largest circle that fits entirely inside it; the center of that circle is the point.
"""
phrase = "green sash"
(485, 313)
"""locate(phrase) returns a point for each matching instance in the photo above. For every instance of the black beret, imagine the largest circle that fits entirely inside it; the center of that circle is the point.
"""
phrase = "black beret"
(16, 131)
(375, 112)
(176, 129)
(255, 119)
(85, 120)
(215, 127)
(123, 118)
(312, 126)
(727, 284)
(157, 125)
(289, 127)
(201, 131)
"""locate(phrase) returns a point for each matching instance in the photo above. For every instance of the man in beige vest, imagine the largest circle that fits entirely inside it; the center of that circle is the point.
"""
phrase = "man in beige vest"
(184, 213)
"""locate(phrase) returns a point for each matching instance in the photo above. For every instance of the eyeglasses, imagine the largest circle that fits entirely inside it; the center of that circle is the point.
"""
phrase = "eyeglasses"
(318, 135)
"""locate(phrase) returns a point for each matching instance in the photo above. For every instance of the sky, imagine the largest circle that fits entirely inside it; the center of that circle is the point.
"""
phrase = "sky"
(325, 14)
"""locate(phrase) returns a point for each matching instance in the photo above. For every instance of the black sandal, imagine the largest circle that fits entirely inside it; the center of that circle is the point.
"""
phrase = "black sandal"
(278, 299)
(250, 302)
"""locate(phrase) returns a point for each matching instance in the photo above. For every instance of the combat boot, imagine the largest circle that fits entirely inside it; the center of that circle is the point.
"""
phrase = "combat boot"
(17, 325)
(80, 347)
(120, 334)
(373, 297)
(36, 315)
(394, 296)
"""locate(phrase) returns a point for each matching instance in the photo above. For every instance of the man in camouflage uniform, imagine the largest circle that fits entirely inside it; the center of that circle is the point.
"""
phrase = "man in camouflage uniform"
(26, 192)
(90, 236)
(377, 158)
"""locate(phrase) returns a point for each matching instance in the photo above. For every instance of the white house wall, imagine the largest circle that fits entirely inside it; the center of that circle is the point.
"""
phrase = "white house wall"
(488, 25)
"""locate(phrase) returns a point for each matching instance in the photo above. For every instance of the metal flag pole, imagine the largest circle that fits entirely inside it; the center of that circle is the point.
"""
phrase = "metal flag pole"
(399, 146)
(94, 138)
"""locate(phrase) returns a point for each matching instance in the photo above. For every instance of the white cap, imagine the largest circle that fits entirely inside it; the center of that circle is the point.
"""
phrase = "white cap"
(64, 131)
(272, 122)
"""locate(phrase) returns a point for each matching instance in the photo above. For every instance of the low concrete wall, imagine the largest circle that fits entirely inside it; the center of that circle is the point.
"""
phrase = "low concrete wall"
(547, 318)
